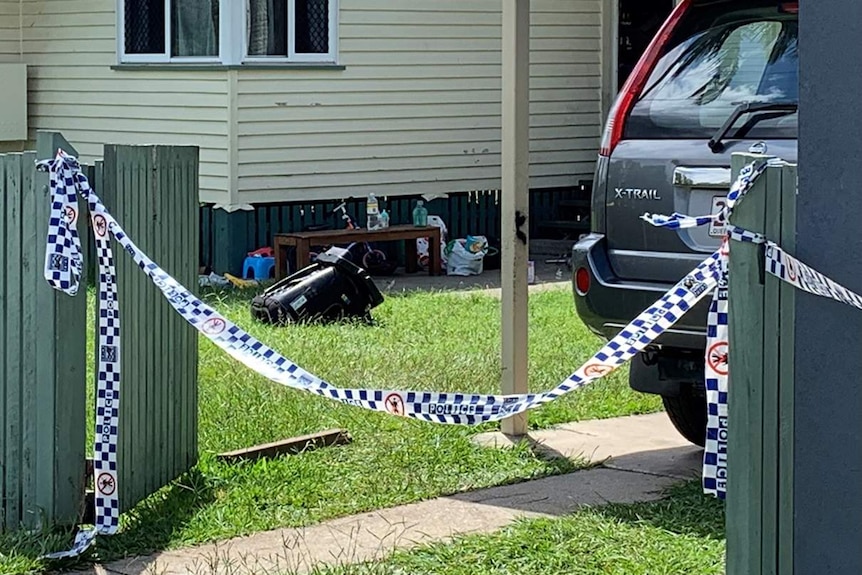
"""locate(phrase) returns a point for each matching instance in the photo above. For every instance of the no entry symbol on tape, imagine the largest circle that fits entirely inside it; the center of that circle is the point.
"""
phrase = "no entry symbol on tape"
(597, 370)
(106, 484)
(394, 404)
(717, 357)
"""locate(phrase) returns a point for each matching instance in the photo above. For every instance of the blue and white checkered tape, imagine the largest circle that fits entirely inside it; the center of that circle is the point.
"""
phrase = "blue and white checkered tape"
(792, 271)
(464, 408)
(437, 407)
(716, 362)
(778, 263)
(743, 184)
(64, 267)
(63, 271)
(716, 369)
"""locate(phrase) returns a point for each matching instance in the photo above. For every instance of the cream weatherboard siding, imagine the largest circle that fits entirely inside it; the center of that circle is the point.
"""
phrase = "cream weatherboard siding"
(417, 107)
(9, 31)
(70, 46)
(10, 53)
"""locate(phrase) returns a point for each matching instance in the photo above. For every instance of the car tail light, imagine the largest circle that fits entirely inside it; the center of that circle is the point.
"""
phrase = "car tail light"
(634, 85)
(582, 281)
(789, 7)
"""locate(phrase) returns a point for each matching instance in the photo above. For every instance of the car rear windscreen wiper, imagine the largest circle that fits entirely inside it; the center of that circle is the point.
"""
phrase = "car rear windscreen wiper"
(715, 143)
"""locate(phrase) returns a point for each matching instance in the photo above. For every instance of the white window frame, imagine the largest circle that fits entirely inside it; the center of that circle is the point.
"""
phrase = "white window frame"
(165, 57)
(292, 57)
(233, 39)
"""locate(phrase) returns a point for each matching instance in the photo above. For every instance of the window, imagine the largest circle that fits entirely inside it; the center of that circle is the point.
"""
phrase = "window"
(163, 30)
(298, 30)
(227, 31)
(747, 57)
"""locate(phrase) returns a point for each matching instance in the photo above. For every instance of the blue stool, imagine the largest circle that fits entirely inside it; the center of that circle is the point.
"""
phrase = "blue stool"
(258, 268)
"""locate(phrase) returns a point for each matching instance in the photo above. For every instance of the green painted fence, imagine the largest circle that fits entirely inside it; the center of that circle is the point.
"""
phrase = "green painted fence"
(760, 465)
(153, 192)
(42, 360)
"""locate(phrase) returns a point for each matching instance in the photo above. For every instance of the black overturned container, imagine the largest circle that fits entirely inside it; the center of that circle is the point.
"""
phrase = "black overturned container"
(332, 289)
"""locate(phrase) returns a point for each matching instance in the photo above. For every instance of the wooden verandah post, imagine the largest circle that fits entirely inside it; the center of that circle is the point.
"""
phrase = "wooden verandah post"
(515, 202)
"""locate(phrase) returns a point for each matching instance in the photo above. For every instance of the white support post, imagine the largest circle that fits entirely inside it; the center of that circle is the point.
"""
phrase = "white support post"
(515, 202)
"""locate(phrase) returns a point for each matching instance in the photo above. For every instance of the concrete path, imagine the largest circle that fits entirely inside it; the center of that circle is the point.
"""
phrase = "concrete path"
(640, 457)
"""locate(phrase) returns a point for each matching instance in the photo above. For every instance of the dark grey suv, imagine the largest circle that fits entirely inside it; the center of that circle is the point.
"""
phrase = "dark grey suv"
(721, 76)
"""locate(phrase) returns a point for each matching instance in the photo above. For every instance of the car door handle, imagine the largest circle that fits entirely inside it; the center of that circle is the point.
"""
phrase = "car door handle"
(718, 178)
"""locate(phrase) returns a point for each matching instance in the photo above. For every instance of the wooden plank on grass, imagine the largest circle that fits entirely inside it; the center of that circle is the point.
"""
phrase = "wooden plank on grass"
(290, 446)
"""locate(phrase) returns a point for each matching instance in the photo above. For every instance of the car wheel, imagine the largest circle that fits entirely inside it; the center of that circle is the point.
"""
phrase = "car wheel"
(687, 412)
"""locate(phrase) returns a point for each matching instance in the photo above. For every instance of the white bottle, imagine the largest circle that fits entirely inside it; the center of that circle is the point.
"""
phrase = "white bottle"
(372, 210)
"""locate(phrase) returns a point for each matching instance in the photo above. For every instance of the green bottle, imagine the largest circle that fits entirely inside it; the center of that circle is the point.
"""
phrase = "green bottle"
(420, 215)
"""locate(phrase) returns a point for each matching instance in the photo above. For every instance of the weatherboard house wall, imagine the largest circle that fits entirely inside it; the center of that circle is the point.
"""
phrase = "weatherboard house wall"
(410, 103)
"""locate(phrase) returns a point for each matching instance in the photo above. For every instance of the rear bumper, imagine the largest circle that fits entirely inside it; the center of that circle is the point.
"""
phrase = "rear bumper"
(611, 303)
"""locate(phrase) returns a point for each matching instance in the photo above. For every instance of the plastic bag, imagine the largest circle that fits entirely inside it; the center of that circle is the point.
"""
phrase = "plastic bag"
(422, 243)
(466, 256)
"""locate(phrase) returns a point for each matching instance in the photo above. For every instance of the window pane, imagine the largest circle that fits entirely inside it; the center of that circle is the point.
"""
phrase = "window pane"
(312, 26)
(267, 27)
(145, 26)
(194, 27)
(723, 58)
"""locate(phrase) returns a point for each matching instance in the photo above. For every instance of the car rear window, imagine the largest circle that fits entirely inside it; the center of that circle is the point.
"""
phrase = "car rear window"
(722, 55)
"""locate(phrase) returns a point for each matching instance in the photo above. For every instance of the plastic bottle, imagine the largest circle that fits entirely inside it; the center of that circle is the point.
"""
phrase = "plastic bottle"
(384, 219)
(372, 210)
(420, 215)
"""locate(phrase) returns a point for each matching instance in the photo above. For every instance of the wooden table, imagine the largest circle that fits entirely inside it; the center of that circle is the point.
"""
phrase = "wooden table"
(303, 241)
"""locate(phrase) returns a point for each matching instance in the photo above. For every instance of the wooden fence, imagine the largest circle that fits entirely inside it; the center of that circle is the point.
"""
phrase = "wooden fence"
(153, 192)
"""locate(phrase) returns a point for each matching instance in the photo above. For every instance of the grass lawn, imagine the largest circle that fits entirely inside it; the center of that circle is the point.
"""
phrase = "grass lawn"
(681, 535)
(421, 341)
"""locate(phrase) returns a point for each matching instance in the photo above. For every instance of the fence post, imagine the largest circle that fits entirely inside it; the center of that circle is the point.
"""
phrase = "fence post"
(152, 191)
(760, 474)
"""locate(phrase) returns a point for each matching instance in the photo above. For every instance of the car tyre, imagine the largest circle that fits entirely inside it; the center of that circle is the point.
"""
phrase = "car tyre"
(687, 412)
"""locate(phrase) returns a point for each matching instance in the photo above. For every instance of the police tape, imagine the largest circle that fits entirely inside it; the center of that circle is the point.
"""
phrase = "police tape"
(792, 271)
(717, 357)
(776, 262)
(64, 268)
(716, 369)
(437, 407)
(748, 175)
